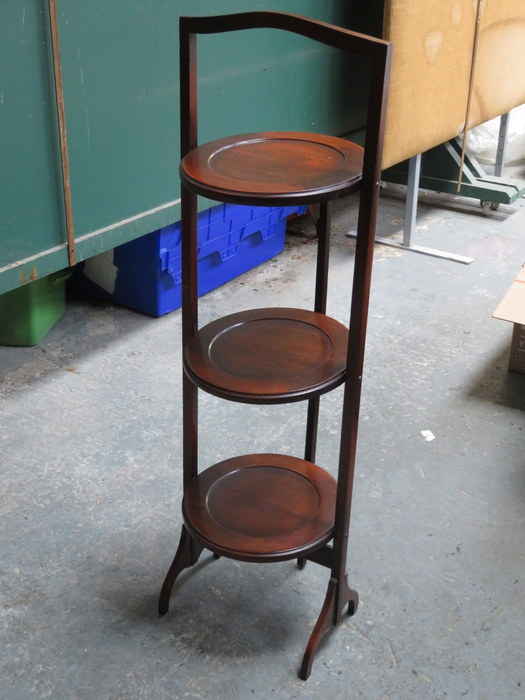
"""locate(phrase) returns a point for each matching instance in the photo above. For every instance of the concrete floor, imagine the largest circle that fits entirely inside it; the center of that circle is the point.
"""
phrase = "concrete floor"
(91, 485)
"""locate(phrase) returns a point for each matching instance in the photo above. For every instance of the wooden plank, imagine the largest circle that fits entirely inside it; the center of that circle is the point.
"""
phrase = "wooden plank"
(499, 85)
(433, 44)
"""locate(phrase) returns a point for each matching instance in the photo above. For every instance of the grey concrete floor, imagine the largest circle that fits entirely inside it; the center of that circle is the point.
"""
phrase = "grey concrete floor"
(90, 437)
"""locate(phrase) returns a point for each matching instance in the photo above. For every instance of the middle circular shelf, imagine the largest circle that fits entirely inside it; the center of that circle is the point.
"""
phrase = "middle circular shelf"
(270, 355)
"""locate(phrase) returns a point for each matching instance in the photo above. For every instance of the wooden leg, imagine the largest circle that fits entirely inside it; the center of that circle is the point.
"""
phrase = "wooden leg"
(322, 626)
(345, 595)
(310, 446)
(330, 615)
(312, 421)
(187, 554)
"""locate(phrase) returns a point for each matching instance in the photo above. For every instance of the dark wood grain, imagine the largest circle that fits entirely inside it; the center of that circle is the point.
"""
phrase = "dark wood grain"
(271, 355)
(278, 167)
(263, 507)
(274, 507)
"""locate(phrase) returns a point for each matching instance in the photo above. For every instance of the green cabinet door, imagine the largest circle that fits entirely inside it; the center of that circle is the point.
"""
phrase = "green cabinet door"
(120, 72)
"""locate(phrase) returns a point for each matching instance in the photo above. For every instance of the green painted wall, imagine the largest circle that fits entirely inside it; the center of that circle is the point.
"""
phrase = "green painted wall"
(120, 70)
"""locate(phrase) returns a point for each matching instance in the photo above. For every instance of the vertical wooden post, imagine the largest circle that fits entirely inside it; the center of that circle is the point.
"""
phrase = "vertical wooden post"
(61, 112)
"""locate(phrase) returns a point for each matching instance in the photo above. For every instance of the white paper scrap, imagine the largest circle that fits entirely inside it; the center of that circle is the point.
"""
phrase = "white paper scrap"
(101, 270)
(428, 435)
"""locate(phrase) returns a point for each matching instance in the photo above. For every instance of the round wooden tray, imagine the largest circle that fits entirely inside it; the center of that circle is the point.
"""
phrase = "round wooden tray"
(275, 166)
(270, 355)
(261, 507)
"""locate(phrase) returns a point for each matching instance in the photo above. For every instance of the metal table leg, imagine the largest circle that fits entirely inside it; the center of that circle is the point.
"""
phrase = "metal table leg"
(414, 172)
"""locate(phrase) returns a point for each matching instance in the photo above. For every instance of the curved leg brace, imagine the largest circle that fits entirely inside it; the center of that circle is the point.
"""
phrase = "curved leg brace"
(330, 615)
(187, 555)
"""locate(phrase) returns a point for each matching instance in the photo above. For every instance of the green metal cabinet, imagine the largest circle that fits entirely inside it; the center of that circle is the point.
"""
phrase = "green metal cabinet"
(120, 71)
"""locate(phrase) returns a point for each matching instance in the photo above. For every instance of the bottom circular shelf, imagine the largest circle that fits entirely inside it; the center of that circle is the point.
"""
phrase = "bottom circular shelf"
(261, 507)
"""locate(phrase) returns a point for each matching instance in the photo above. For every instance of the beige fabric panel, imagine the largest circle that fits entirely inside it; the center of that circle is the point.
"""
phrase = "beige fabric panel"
(499, 78)
(433, 48)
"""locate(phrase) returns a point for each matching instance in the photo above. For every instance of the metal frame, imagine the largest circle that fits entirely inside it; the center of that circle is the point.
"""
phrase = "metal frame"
(438, 176)
(414, 173)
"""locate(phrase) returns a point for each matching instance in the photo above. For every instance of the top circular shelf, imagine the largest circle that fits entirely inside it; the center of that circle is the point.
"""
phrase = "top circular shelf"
(273, 167)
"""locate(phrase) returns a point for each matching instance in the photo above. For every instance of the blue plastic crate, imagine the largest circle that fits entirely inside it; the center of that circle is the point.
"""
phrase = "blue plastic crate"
(145, 274)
